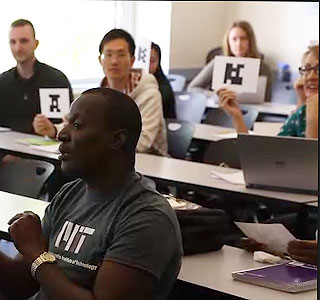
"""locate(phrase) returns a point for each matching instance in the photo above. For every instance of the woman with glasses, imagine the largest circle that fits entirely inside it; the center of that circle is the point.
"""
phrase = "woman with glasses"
(304, 121)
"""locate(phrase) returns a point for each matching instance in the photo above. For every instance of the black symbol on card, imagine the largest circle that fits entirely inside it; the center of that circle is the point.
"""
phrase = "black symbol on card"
(232, 75)
(54, 103)
(142, 54)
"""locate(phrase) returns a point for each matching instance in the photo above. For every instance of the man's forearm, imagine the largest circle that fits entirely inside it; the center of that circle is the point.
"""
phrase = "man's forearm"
(15, 279)
(57, 286)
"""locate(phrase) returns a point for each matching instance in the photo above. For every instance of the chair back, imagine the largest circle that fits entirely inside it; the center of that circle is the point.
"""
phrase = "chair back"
(190, 106)
(223, 152)
(177, 82)
(179, 136)
(216, 116)
(25, 177)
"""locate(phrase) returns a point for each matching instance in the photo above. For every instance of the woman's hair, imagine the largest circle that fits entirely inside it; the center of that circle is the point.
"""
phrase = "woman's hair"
(311, 49)
(158, 50)
(158, 73)
(252, 49)
(167, 95)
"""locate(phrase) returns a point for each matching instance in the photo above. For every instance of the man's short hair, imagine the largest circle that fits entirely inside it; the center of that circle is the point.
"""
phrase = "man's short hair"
(121, 113)
(23, 22)
(118, 34)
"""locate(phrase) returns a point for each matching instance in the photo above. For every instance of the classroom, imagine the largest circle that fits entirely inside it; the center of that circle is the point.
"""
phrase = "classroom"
(161, 150)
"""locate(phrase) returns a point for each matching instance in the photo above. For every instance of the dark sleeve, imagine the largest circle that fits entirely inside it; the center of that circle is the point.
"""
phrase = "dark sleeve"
(266, 71)
(168, 99)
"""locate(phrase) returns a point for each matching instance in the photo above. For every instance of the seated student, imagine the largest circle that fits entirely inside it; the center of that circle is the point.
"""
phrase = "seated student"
(301, 250)
(19, 86)
(108, 234)
(239, 41)
(117, 57)
(302, 123)
(168, 100)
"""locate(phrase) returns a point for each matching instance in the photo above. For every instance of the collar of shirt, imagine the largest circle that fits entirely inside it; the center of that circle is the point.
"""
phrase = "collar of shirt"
(134, 78)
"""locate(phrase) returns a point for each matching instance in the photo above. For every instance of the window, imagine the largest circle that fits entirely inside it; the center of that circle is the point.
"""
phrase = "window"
(69, 33)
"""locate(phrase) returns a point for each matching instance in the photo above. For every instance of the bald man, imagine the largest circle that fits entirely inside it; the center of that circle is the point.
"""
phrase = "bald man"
(107, 235)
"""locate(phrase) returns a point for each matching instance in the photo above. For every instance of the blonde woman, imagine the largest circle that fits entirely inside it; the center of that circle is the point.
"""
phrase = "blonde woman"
(239, 41)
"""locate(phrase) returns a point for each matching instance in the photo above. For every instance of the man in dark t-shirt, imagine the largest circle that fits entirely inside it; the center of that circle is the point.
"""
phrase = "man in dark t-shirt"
(108, 234)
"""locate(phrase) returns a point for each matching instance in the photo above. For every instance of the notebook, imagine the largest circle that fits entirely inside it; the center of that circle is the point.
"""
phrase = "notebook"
(289, 277)
(258, 96)
(287, 164)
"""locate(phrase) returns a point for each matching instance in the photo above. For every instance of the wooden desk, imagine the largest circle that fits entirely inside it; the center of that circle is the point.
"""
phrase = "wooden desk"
(266, 108)
(267, 128)
(8, 142)
(212, 133)
(213, 270)
(12, 204)
(313, 204)
(170, 170)
(198, 174)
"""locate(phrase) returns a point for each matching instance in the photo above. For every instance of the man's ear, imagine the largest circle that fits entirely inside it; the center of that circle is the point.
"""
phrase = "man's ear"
(117, 139)
(133, 58)
(37, 44)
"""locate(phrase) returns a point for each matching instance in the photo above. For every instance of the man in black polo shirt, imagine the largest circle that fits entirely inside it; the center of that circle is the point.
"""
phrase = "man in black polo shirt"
(19, 86)
(19, 93)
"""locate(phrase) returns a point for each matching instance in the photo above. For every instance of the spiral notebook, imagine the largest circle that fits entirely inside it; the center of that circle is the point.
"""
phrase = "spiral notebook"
(289, 277)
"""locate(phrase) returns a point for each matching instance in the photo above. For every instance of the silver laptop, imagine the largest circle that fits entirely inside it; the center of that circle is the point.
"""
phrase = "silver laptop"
(257, 97)
(286, 164)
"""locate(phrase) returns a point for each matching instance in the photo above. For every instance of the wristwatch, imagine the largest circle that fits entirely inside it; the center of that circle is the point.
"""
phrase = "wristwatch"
(45, 257)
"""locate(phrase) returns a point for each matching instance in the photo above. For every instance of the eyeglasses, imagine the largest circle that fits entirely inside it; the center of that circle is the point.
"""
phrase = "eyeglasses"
(119, 56)
(305, 70)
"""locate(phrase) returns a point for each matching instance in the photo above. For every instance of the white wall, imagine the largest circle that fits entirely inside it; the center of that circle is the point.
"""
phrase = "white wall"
(196, 28)
(283, 29)
(153, 21)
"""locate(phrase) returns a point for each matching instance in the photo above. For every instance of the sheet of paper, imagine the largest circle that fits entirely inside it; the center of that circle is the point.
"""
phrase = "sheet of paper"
(48, 148)
(38, 141)
(228, 134)
(142, 53)
(225, 134)
(239, 74)
(175, 204)
(4, 129)
(275, 236)
(235, 178)
(54, 102)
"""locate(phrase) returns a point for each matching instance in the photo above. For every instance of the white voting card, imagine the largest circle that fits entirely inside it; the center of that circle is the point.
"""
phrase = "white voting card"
(142, 54)
(54, 102)
(275, 236)
(239, 74)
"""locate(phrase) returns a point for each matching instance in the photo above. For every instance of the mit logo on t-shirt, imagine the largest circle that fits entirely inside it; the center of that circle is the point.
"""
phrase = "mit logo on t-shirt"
(72, 236)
